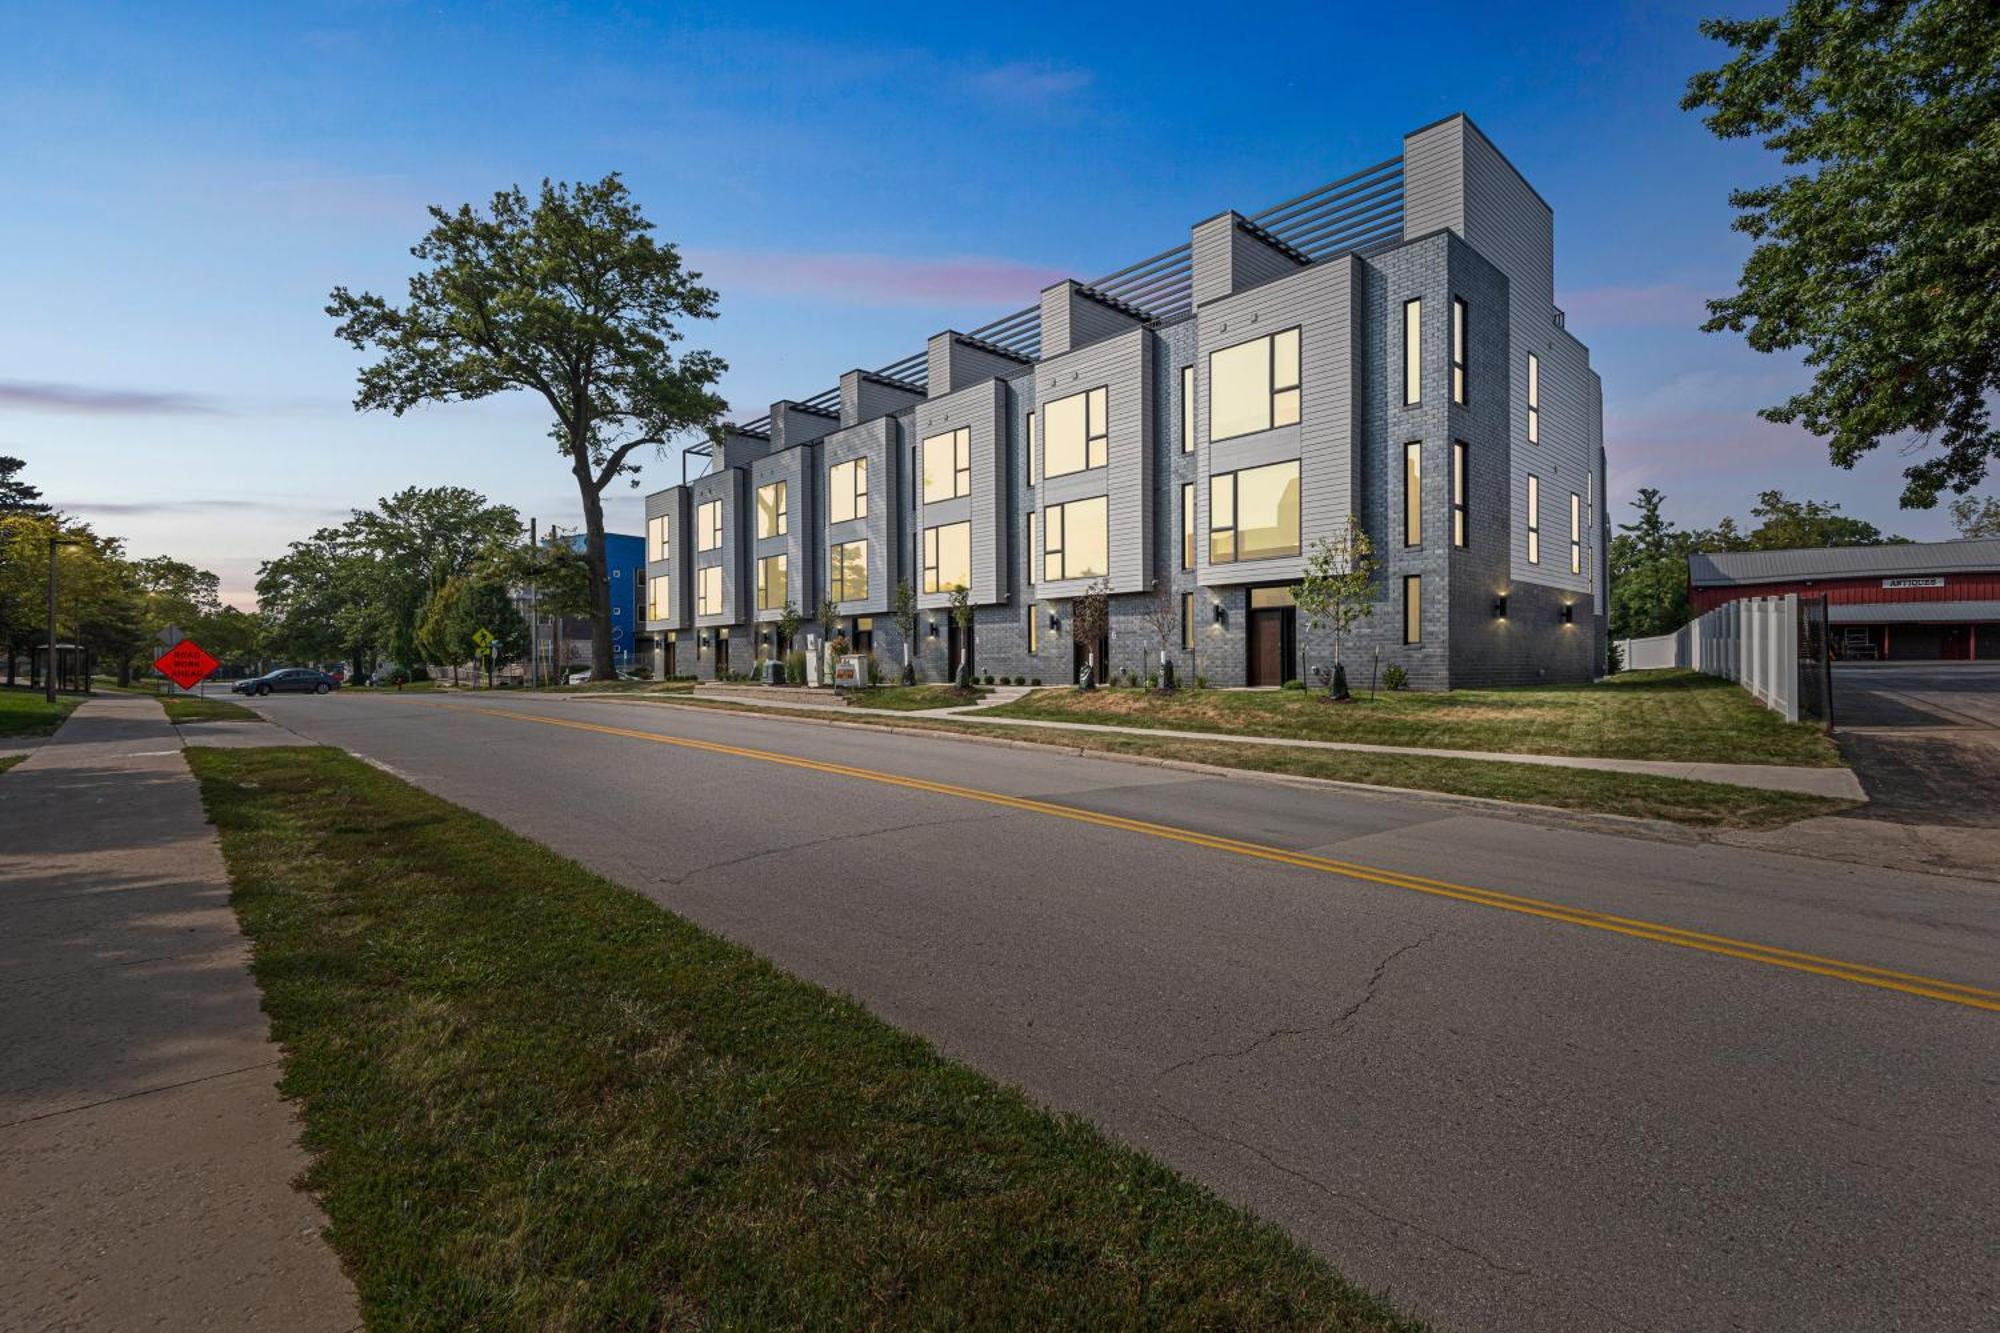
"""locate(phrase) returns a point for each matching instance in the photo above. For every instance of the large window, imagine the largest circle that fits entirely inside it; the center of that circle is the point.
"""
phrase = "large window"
(1076, 540)
(1253, 514)
(708, 591)
(656, 538)
(1413, 351)
(772, 504)
(947, 465)
(847, 491)
(847, 572)
(948, 557)
(656, 598)
(1076, 434)
(1413, 608)
(1575, 533)
(1254, 386)
(1187, 526)
(708, 526)
(772, 583)
(1187, 409)
(1534, 519)
(1458, 484)
(1534, 399)
(1413, 494)
(1458, 318)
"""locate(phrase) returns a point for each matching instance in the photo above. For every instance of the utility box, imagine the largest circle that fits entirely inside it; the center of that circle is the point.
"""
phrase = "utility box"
(770, 672)
(851, 672)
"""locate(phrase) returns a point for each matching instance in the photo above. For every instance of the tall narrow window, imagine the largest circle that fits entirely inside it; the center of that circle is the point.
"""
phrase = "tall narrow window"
(1078, 434)
(1032, 463)
(1534, 399)
(1034, 628)
(1458, 394)
(847, 491)
(1413, 351)
(1254, 386)
(708, 591)
(1458, 533)
(1187, 409)
(1413, 608)
(947, 465)
(1575, 533)
(1187, 621)
(708, 526)
(773, 589)
(656, 599)
(1413, 494)
(656, 538)
(1187, 526)
(847, 572)
(773, 519)
(947, 557)
(1534, 519)
(1030, 547)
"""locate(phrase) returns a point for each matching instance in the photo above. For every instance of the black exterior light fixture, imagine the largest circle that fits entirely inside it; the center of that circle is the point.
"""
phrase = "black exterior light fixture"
(932, 624)
(1055, 623)
(1500, 607)
(1221, 614)
(1569, 613)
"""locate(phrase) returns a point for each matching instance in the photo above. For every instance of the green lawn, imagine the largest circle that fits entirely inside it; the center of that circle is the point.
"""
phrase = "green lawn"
(24, 712)
(193, 708)
(912, 698)
(1638, 715)
(536, 1100)
(7, 761)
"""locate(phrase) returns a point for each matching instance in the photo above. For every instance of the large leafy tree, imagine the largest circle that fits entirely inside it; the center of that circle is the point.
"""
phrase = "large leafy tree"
(17, 496)
(1975, 517)
(568, 297)
(1877, 253)
(1789, 524)
(1649, 573)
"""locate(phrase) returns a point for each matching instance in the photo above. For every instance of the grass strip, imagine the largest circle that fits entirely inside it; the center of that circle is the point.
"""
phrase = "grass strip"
(7, 761)
(25, 712)
(912, 698)
(1678, 715)
(193, 708)
(536, 1100)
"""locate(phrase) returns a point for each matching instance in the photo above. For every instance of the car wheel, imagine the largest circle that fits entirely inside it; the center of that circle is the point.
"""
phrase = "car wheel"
(263, 690)
(321, 688)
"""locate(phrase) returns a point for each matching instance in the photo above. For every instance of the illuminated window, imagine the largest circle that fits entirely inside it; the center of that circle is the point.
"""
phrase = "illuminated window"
(1458, 350)
(1187, 526)
(1187, 621)
(1032, 464)
(1077, 435)
(772, 518)
(1253, 514)
(708, 594)
(1413, 608)
(847, 491)
(1034, 627)
(947, 465)
(1534, 519)
(948, 557)
(708, 526)
(1076, 540)
(1413, 494)
(847, 572)
(656, 539)
(1187, 409)
(771, 583)
(1031, 548)
(1413, 351)
(656, 599)
(1575, 533)
(1254, 386)
(1458, 481)
(1534, 399)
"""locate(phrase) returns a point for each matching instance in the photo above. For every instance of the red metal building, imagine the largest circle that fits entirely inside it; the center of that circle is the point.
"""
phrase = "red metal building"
(1920, 601)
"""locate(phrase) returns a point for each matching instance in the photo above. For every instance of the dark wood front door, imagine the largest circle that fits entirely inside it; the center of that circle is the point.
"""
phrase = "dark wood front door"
(959, 643)
(1082, 653)
(1267, 646)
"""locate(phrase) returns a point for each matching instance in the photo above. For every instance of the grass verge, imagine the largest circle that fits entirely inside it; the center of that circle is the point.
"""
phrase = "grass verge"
(536, 1100)
(193, 708)
(7, 761)
(24, 712)
(1704, 805)
(1680, 715)
(912, 698)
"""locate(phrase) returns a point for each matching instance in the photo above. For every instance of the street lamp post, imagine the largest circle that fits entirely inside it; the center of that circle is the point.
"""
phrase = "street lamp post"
(49, 670)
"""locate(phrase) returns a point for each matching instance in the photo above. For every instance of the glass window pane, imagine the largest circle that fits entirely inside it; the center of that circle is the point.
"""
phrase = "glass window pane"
(1413, 495)
(1285, 407)
(1052, 543)
(1239, 389)
(861, 488)
(938, 459)
(1285, 359)
(1413, 351)
(954, 556)
(1187, 526)
(1413, 609)
(1099, 411)
(1087, 538)
(1064, 430)
(1267, 511)
(1187, 409)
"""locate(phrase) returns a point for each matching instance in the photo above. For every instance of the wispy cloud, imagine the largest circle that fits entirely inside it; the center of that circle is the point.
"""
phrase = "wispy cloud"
(93, 400)
(1031, 82)
(148, 508)
(877, 280)
(1661, 304)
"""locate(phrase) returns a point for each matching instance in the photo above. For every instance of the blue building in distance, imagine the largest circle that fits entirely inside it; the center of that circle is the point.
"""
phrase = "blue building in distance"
(566, 647)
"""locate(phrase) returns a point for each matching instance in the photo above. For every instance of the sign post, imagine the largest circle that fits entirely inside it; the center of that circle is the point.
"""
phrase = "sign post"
(482, 639)
(187, 664)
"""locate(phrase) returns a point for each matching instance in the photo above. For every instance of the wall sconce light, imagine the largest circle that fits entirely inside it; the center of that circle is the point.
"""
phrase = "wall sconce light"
(933, 627)
(1055, 623)
(1221, 614)
(1500, 607)
(1569, 614)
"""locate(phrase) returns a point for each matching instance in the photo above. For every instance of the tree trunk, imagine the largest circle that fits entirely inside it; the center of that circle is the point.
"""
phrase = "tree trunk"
(600, 582)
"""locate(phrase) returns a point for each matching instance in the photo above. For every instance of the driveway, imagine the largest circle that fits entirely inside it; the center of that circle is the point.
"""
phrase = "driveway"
(1924, 739)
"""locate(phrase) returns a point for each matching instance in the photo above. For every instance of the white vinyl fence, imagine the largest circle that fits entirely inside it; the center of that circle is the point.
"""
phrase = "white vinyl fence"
(1753, 641)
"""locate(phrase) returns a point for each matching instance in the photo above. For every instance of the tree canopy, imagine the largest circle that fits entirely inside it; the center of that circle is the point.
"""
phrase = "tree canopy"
(1877, 253)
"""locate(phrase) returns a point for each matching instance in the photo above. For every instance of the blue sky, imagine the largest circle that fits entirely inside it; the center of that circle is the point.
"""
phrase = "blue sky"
(186, 183)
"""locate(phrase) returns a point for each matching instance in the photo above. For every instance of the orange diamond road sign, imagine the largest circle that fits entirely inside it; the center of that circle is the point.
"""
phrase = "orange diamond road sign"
(187, 664)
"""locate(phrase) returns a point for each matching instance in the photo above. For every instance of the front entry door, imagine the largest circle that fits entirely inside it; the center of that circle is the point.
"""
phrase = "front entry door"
(1083, 652)
(1267, 648)
(957, 642)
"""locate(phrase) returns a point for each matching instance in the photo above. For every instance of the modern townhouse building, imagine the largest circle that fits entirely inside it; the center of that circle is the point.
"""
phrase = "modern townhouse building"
(1182, 431)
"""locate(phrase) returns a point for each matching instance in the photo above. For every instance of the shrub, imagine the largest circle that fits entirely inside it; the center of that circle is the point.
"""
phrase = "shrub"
(1201, 682)
(795, 667)
(1614, 658)
(1295, 684)
(1034, 680)
(1152, 682)
(1394, 677)
(874, 670)
(989, 678)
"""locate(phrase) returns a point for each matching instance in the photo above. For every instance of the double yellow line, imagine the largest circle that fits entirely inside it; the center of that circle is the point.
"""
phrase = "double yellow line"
(1861, 974)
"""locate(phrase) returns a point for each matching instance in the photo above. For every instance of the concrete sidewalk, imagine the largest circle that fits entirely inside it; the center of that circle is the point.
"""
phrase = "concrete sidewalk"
(146, 1159)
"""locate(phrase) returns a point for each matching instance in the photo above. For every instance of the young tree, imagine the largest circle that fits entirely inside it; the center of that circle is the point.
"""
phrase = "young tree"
(569, 298)
(789, 621)
(1338, 590)
(488, 604)
(903, 610)
(1163, 617)
(961, 615)
(1976, 518)
(1089, 622)
(1648, 560)
(1877, 251)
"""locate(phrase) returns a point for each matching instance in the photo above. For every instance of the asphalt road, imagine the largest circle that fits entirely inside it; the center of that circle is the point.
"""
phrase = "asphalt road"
(1924, 738)
(1508, 1118)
